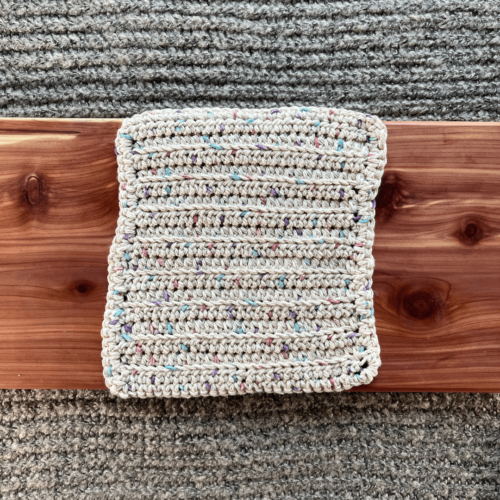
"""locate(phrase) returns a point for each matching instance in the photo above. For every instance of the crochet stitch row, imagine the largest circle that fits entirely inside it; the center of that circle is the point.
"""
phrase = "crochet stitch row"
(242, 260)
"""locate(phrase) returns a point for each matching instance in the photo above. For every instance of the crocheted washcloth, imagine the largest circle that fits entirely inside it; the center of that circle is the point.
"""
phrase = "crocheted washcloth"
(242, 261)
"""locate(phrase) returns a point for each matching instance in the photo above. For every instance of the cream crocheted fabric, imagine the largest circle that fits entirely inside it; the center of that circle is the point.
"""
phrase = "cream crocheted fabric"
(242, 261)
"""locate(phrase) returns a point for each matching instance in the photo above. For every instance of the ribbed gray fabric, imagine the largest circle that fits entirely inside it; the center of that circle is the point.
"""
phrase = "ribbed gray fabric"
(435, 60)
(406, 59)
(88, 445)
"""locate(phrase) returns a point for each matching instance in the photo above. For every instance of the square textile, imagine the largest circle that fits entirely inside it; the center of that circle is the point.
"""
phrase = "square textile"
(242, 261)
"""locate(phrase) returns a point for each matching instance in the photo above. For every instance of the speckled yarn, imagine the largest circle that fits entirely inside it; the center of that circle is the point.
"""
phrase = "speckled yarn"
(242, 261)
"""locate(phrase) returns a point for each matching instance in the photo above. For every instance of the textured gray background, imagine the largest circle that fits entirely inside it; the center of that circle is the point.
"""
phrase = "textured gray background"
(405, 59)
(434, 60)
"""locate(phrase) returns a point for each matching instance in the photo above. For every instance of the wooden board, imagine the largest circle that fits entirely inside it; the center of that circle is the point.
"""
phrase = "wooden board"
(437, 252)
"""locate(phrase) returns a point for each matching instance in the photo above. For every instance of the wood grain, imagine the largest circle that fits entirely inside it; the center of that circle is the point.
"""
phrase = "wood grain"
(437, 252)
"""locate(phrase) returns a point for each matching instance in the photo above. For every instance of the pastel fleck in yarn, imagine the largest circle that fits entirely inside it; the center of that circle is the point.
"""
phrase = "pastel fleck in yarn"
(242, 260)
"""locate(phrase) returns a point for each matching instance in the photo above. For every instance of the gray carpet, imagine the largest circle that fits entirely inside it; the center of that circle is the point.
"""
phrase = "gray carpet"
(352, 446)
(407, 59)
(434, 60)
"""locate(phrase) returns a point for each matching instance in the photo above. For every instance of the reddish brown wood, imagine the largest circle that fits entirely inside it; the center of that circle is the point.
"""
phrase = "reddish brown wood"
(53, 249)
(33, 190)
(437, 254)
